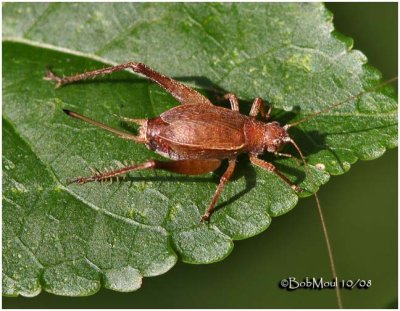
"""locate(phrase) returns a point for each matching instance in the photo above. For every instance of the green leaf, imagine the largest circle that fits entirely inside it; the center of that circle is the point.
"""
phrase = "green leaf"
(70, 240)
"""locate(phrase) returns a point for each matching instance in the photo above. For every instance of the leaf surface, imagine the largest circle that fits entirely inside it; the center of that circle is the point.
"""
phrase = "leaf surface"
(71, 239)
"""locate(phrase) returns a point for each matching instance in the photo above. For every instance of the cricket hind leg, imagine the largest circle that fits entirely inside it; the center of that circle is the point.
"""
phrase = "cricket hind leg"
(184, 94)
(188, 167)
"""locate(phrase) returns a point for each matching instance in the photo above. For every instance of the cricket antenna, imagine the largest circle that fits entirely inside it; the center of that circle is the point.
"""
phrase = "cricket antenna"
(324, 228)
(342, 102)
(330, 252)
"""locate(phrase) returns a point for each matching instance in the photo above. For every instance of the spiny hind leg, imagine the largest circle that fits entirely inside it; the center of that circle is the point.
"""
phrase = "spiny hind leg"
(188, 167)
(184, 94)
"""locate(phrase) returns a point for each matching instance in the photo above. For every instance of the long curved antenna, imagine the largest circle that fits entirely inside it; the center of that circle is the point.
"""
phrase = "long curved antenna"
(330, 253)
(342, 102)
(325, 230)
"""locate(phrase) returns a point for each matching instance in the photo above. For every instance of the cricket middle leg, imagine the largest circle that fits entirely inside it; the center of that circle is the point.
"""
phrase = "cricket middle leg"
(222, 182)
(259, 107)
(233, 101)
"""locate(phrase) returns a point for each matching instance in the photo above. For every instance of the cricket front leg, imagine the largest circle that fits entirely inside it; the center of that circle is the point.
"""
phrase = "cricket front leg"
(287, 155)
(271, 168)
(188, 167)
(224, 179)
(184, 94)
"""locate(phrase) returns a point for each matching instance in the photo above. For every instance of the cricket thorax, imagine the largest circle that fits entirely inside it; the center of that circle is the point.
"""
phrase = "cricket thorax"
(265, 137)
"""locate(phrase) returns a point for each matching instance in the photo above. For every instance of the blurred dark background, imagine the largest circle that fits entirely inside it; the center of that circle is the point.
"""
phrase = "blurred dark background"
(360, 209)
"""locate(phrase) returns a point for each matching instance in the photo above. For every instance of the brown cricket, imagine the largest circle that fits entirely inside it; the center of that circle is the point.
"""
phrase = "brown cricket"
(197, 135)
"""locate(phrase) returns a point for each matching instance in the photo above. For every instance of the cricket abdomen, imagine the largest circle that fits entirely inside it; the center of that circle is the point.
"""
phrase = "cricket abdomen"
(197, 132)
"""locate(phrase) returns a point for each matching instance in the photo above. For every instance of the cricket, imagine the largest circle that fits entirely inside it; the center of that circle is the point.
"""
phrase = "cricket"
(198, 135)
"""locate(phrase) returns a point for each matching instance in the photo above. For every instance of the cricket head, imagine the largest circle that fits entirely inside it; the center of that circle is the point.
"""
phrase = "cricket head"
(277, 136)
